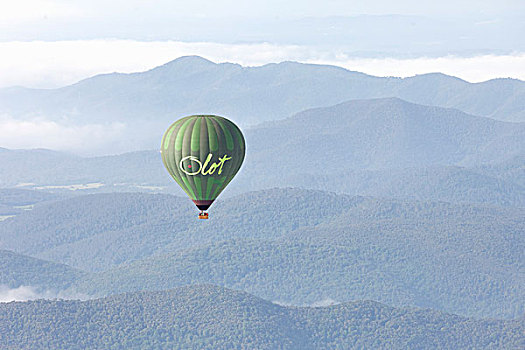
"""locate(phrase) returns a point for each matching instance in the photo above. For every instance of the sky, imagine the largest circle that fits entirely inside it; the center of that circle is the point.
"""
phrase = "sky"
(41, 64)
(54, 43)
(30, 11)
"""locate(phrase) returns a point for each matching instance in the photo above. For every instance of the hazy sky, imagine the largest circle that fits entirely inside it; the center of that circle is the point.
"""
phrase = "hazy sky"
(50, 43)
(131, 19)
(33, 11)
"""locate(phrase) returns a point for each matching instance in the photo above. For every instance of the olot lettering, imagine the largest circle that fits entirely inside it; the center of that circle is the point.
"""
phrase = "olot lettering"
(203, 169)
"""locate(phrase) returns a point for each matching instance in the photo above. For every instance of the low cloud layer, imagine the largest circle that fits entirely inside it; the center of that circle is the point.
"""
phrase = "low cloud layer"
(320, 303)
(40, 133)
(25, 293)
(53, 64)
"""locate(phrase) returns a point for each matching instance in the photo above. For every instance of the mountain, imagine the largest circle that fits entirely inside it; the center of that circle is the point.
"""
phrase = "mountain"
(20, 197)
(511, 170)
(19, 270)
(497, 184)
(96, 231)
(382, 147)
(299, 273)
(58, 171)
(14, 201)
(489, 185)
(249, 95)
(290, 245)
(384, 133)
(390, 148)
(135, 109)
(216, 318)
(96, 227)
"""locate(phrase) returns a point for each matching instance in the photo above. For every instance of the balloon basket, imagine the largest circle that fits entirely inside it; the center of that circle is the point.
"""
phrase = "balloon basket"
(203, 215)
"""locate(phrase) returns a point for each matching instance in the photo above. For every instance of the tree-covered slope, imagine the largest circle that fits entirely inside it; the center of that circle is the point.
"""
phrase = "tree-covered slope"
(14, 201)
(293, 245)
(20, 270)
(494, 184)
(214, 318)
(511, 170)
(96, 231)
(289, 271)
(20, 197)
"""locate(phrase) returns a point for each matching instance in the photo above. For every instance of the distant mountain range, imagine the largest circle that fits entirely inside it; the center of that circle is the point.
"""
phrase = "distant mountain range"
(289, 245)
(383, 133)
(348, 192)
(147, 102)
(382, 147)
(249, 95)
(209, 317)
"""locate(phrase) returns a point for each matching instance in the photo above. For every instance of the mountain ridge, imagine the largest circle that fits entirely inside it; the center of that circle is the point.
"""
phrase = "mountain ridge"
(250, 95)
(404, 134)
(212, 317)
(21, 270)
(324, 245)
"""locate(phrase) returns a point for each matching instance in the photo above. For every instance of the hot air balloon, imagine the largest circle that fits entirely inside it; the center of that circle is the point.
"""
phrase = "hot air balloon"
(203, 153)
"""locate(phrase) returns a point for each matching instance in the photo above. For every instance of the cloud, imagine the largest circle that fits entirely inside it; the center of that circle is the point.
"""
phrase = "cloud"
(325, 303)
(473, 69)
(320, 303)
(40, 133)
(24, 293)
(53, 64)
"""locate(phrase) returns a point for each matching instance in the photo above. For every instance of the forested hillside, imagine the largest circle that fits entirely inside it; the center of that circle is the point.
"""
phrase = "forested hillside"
(19, 197)
(19, 270)
(14, 201)
(209, 317)
(96, 231)
(291, 245)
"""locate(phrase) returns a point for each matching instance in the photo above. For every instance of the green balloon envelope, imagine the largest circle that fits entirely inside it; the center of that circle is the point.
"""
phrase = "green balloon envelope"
(203, 153)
